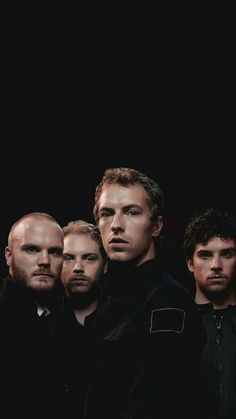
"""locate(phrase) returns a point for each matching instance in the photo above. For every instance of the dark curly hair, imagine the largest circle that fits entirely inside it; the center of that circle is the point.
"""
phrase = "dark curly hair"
(213, 222)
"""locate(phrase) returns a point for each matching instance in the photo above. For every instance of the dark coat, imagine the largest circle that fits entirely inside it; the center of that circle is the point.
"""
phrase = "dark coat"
(29, 376)
(71, 342)
(146, 343)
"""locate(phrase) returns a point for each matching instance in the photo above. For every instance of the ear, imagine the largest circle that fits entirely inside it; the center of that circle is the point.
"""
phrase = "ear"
(157, 226)
(8, 256)
(190, 265)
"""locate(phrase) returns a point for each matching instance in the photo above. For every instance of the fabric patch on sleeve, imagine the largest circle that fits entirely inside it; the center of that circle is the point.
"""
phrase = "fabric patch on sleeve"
(167, 320)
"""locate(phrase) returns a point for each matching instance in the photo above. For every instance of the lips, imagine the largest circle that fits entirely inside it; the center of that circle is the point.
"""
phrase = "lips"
(78, 278)
(217, 277)
(117, 240)
(42, 273)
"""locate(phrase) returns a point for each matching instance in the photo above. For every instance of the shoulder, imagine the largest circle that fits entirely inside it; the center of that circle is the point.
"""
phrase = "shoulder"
(165, 289)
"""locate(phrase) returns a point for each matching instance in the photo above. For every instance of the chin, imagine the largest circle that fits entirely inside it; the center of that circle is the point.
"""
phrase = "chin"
(215, 292)
(43, 287)
(119, 258)
(216, 288)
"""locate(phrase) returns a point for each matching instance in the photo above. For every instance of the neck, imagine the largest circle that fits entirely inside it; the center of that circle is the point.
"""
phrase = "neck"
(118, 268)
(78, 300)
(82, 313)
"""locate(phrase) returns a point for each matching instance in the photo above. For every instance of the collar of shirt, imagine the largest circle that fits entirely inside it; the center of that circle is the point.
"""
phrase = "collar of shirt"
(42, 311)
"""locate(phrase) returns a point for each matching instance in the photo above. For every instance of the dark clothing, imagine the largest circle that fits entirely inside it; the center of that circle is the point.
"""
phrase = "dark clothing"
(70, 337)
(146, 340)
(219, 357)
(29, 364)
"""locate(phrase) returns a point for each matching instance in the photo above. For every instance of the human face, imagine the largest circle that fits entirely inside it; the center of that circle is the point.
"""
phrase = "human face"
(35, 256)
(83, 264)
(125, 223)
(214, 265)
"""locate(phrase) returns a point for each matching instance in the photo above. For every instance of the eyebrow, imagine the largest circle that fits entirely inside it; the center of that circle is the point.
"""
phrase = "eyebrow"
(38, 247)
(228, 249)
(125, 207)
(83, 254)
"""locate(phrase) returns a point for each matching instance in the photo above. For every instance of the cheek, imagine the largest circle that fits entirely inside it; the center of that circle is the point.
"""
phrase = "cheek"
(93, 271)
(202, 271)
(58, 264)
(198, 267)
(142, 235)
(231, 268)
(104, 229)
(65, 272)
(201, 267)
(99, 270)
(144, 230)
(64, 280)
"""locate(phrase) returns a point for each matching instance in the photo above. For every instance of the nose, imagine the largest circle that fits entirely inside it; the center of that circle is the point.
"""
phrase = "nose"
(216, 263)
(44, 258)
(78, 266)
(117, 223)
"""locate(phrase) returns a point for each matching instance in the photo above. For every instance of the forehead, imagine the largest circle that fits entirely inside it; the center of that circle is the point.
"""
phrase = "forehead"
(216, 244)
(79, 243)
(120, 196)
(38, 231)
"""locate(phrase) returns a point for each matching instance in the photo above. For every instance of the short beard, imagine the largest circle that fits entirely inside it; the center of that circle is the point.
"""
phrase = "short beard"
(18, 275)
(218, 295)
(82, 300)
(20, 279)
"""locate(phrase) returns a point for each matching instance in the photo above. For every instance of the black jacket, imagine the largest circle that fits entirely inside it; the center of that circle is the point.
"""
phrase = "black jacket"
(219, 357)
(29, 364)
(146, 345)
(71, 338)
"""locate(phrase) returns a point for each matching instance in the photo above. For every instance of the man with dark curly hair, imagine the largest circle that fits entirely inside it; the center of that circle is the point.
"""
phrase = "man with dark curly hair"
(210, 250)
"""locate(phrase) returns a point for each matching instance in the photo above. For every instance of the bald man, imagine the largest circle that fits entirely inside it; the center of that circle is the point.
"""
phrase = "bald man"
(29, 370)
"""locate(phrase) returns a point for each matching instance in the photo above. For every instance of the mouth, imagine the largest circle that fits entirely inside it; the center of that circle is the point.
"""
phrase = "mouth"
(43, 274)
(216, 279)
(78, 279)
(117, 241)
(118, 246)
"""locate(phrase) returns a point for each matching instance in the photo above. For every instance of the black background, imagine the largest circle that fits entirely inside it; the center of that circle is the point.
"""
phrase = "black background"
(166, 111)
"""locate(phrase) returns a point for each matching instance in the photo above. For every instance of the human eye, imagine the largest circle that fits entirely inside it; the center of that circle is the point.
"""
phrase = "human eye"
(31, 249)
(104, 213)
(204, 254)
(133, 212)
(56, 251)
(228, 253)
(67, 257)
(91, 258)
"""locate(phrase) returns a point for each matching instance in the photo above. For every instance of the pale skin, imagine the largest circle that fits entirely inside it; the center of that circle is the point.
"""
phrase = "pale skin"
(214, 268)
(125, 224)
(83, 267)
(34, 254)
